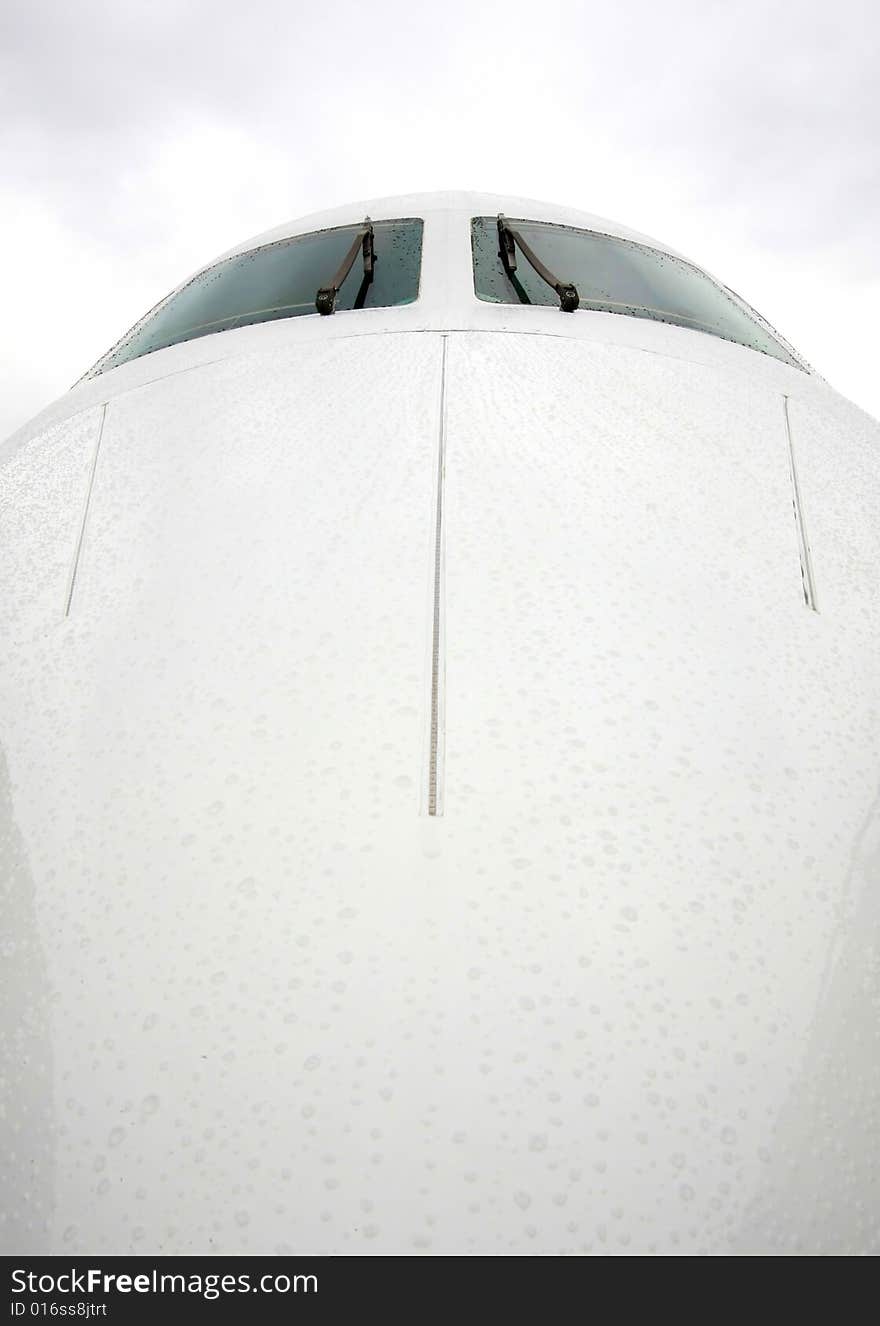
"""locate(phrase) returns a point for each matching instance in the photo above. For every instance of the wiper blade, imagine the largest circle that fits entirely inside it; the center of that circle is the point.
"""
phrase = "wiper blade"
(508, 240)
(325, 300)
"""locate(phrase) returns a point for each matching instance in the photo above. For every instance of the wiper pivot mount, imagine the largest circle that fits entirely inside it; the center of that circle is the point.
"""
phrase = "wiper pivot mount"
(508, 241)
(325, 301)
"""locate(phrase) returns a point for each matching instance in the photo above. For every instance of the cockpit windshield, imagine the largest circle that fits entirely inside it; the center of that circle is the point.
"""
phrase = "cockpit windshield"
(285, 280)
(587, 270)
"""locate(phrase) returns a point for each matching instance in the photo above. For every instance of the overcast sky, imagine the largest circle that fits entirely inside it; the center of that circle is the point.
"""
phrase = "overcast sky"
(138, 140)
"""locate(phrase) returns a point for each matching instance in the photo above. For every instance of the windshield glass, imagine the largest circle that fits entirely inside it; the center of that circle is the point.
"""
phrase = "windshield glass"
(613, 276)
(281, 280)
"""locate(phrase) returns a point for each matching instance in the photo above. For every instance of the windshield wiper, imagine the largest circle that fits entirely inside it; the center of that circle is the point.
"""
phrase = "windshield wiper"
(325, 300)
(508, 239)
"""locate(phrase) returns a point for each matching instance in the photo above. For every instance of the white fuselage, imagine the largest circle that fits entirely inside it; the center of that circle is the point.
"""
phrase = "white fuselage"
(616, 988)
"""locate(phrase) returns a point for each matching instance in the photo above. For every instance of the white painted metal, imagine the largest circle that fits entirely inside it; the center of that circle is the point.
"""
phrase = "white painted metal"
(621, 995)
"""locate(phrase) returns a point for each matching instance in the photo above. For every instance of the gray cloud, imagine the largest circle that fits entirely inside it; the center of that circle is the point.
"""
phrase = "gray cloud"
(773, 104)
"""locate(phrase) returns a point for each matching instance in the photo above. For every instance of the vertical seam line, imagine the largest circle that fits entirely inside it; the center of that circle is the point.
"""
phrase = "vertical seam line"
(85, 515)
(807, 576)
(438, 662)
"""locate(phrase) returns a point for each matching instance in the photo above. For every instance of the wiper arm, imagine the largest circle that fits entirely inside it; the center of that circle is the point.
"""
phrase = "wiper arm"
(508, 239)
(325, 301)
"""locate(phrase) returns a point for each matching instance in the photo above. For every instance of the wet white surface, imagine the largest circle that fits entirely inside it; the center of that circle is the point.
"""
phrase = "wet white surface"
(622, 996)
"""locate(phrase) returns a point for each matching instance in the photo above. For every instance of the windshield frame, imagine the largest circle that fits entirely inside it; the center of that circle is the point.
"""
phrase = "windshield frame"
(101, 366)
(638, 312)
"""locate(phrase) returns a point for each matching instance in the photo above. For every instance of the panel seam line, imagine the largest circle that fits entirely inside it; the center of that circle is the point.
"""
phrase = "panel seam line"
(85, 514)
(435, 743)
(807, 574)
